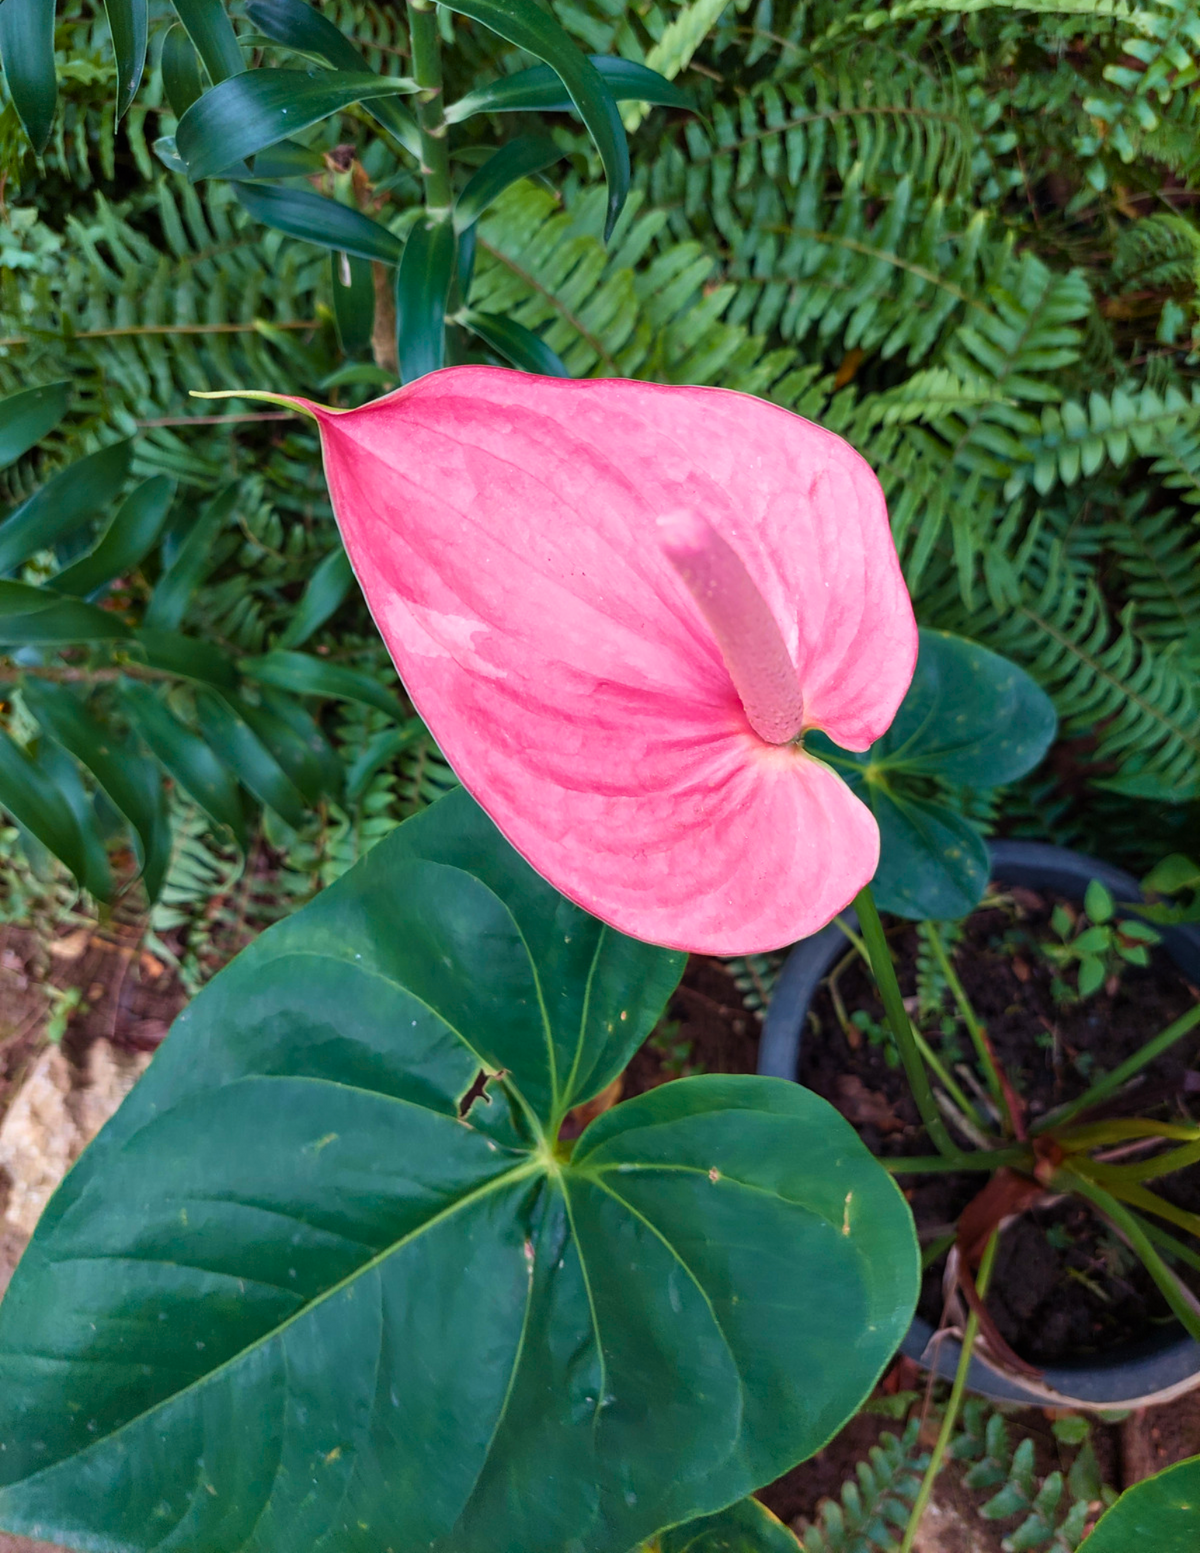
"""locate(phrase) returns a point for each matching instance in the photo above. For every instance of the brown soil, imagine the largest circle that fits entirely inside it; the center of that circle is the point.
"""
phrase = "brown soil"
(706, 1028)
(1064, 1286)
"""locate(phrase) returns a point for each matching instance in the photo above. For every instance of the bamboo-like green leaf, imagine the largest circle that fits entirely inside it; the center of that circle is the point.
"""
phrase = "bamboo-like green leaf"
(28, 794)
(323, 595)
(539, 89)
(210, 29)
(181, 76)
(63, 773)
(303, 28)
(294, 739)
(310, 216)
(353, 301)
(64, 502)
(27, 53)
(39, 616)
(128, 21)
(535, 30)
(465, 1337)
(186, 656)
(232, 738)
(27, 416)
(308, 676)
(422, 288)
(249, 112)
(130, 781)
(515, 343)
(173, 593)
(130, 536)
(518, 158)
(187, 757)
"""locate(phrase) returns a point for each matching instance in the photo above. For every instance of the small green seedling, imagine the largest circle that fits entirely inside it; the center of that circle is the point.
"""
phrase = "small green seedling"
(1099, 942)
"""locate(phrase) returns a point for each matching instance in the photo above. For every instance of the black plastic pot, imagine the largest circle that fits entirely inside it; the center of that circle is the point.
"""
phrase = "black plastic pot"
(1152, 1370)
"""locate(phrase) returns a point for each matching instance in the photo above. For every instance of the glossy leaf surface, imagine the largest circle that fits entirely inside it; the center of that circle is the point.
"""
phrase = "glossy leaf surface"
(1160, 1515)
(63, 503)
(128, 21)
(27, 53)
(519, 158)
(422, 286)
(539, 89)
(518, 345)
(130, 536)
(254, 110)
(181, 77)
(173, 593)
(187, 757)
(210, 29)
(746, 1527)
(26, 417)
(291, 1300)
(255, 765)
(353, 288)
(526, 24)
(37, 804)
(970, 718)
(301, 213)
(308, 676)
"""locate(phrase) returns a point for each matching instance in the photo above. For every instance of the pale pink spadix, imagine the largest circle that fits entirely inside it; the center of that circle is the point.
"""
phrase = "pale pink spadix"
(617, 605)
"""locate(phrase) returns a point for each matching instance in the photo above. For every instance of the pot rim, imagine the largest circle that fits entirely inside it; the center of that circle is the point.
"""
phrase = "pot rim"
(1135, 1374)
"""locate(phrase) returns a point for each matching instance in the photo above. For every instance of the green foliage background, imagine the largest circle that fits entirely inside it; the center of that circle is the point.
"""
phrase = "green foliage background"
(964, 236)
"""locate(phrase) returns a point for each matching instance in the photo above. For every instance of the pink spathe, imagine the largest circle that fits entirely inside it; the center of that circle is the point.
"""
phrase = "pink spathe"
(595, 593)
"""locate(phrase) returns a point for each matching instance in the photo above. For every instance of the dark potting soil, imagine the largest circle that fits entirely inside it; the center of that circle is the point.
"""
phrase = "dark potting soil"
(706, 1028)
(1063, 1286)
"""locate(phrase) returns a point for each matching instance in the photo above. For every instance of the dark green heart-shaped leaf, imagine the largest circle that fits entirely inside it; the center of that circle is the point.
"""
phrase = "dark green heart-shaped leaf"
(422, 287)
(26, 417)
(746, 1527)
(64, 502)
(1160, 1515)
(254, 110)
(301, 213)
(309, 1290)
(970, 719)
(540, 89)
(27, 53)
(535, 30)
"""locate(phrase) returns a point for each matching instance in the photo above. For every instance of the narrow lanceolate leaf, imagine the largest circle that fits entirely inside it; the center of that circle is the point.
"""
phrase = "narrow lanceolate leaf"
(210, 29)
(33, 801)
(318, 220)
(519, 158)
(515, 343)
(309, 676)
(300, 27)
(63, 773)
(256, 109)
(31, 616)
(130, 536)
(128, 22)
(323, 595)
(526, 24)
(130, 781)
(292, 1299)
(182, 81)
(170, 599)
(186, 656)
(187, 757)
(422, 287)
(353, 301)
(540, 89)
(27, 416)
(296, 742)
(232, 738)
(64, 502)
(27, 53)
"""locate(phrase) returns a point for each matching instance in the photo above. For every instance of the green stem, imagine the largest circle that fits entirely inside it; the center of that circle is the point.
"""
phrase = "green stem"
(884, 973)
(975, 1026)
(1103, 1087)
(955, 1092)
(945, 1433)
(431, 118)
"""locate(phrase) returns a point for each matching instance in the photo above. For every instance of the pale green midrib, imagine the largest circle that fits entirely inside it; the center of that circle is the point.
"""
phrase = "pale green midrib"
(521, 1172)
(587, 1285)
(562, 1102)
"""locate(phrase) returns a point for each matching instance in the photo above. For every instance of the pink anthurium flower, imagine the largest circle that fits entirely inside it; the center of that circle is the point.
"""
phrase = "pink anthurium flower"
(619, 606)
